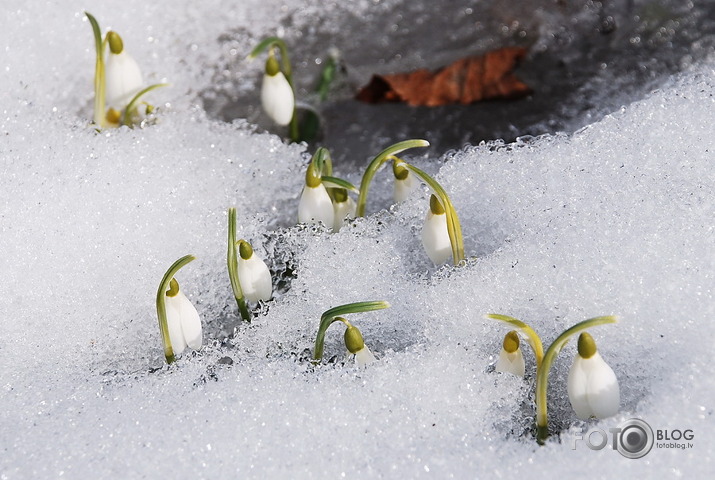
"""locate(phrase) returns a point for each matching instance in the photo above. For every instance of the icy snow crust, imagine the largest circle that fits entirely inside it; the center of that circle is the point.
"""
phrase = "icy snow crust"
(614, 219)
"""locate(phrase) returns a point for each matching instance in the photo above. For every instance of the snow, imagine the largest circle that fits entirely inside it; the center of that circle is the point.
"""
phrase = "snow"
(616, 218)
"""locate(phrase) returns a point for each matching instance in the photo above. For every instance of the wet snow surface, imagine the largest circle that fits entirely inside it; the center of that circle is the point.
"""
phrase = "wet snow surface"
(616, 217)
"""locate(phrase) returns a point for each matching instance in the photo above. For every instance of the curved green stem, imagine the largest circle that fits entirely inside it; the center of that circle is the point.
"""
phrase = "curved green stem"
(542, 374)
(339, 183)
(329, 316)
(375, 165)
(161, 304)
(533, 339)
(454, 229)
(232, 263)
(128, 110)
(99, 95)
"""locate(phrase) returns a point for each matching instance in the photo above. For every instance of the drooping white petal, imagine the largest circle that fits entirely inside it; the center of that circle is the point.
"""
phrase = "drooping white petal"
(123, 80)
(277, 98)
(401, 189)
(435, 238)
(255, 278)
(190, 322)
(511, 362)
(173, 319)
(364, 356)
(593, 388)
(343, 210)
(315, 206)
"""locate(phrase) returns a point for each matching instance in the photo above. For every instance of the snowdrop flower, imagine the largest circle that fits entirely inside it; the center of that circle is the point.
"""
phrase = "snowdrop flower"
(405, 182)
(510, 358)
(182, 319)
(356, 345)
(343, 207)
(435, 237)
(253, 274)
(276, 93)
(123, 77)
(592, 385)
(315, 204)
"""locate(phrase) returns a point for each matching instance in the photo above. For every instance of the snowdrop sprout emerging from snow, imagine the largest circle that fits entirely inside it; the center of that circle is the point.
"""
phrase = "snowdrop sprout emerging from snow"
(592, 384)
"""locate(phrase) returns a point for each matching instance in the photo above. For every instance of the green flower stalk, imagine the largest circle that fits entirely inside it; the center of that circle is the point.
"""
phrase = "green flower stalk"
(353, 338)
(179, 322)
(544, 365)
(232, 263)
(278, 91)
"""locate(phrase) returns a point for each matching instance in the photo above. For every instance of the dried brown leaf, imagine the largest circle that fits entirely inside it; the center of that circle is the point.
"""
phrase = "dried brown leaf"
(470, 79)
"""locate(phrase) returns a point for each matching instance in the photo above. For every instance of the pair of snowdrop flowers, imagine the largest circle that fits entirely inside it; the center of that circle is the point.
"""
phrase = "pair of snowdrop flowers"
(441, 231)
(316, 205)
(435, 234)
(179, 321)
(330, 205)
(592, 385)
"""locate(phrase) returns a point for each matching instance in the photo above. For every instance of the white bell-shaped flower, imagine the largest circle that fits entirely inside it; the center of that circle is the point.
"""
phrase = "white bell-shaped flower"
(356, 345)
(511, 359)
(123, 78)
(592, 384)
(253, 274)
(276, 93)
(405, 183)
(183, 320)
(344, 208)
(435, 237)
(315, 205)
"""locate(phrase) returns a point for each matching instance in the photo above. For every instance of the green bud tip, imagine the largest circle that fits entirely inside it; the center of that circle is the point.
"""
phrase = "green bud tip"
(245, 249)
(586, 345)
(272, 66)
(511, 342)
(399, 170)
(353, 339)
(312, 178)
(173, 288)
(340, 195)
(115, 42)
(435, 205)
